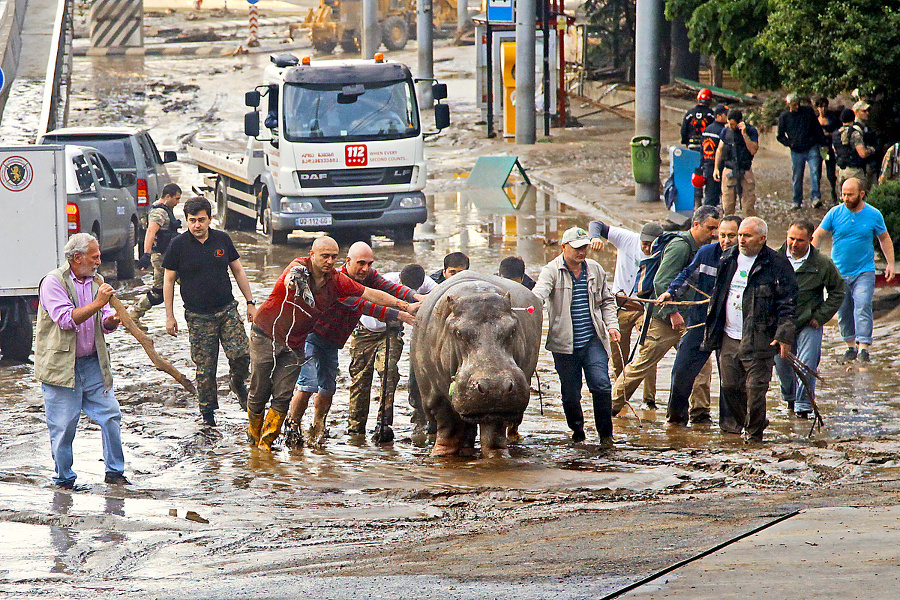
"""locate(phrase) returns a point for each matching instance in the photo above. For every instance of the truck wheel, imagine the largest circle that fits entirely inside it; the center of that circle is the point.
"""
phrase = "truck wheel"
(325, 46)
(350, 45)
(395, 33)
(404, 234)
(227, 218)
(274, 236)
(125, 261)
(17, 335)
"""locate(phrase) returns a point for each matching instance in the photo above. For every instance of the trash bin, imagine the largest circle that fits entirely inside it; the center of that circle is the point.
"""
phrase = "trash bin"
(645, 159)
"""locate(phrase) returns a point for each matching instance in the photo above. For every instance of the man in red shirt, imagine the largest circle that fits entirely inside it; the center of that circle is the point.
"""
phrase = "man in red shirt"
(331, 333)
(279, 331)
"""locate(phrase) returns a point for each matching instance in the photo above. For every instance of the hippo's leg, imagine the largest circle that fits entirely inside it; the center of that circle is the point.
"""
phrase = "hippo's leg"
(512, 431)
(493, 439)
(451, 431)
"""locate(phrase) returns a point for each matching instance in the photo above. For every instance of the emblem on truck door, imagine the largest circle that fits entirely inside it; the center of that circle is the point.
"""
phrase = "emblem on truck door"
(16, 173)
(356, 155)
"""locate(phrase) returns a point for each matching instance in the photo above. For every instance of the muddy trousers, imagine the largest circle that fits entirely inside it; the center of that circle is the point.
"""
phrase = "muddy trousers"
(730, 196)
(206, 331)
(745, 380)
(593, 361)
(62, 410)
(144, 303)
(661, 337)
(691, 374)
(273, 374)
(628, 321)
(367, 355)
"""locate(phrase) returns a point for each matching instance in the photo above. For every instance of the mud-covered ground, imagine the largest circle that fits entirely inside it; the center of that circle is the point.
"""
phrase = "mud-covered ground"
(208, 517)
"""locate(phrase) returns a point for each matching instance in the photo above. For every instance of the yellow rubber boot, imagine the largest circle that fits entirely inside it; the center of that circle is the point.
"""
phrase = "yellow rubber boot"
(254, 427)
(271, 429)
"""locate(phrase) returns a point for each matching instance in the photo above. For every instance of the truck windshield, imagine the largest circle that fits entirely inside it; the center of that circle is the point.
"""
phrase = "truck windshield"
(384, 110)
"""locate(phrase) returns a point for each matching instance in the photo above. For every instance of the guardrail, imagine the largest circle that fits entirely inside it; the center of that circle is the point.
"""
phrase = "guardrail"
(55, 106)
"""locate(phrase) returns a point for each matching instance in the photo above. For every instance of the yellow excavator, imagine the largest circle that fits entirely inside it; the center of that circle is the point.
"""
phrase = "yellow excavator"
(340, 22)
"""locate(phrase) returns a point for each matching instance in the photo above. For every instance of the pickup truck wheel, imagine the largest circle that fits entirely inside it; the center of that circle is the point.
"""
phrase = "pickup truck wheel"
(125, 261)
(16, 336)
(404, 234)
(395, 33)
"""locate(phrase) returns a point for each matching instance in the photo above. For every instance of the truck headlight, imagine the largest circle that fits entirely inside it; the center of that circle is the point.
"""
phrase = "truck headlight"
(412, 202)
(296, 207)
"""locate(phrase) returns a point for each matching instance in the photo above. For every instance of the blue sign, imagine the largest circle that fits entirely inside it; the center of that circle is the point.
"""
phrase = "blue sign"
(501, 11)
(2, 79)
(252, 1)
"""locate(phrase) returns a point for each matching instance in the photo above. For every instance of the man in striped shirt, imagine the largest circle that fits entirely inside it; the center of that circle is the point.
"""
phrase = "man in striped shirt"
(582, 322)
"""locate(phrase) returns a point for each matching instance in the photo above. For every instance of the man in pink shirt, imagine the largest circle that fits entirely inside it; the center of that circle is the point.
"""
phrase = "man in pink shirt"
(71, 359)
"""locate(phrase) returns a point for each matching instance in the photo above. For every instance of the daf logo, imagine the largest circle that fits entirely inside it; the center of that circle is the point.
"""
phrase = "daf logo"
(313, 176)
(401, 172)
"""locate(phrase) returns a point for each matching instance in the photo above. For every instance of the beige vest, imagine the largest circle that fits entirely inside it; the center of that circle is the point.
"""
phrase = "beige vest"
(54, 347)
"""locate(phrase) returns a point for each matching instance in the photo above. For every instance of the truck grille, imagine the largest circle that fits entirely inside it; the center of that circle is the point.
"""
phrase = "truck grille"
(355, 177)
(355, 205)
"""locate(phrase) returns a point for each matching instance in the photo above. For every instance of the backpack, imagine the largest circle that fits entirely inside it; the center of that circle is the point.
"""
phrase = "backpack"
(643, 283)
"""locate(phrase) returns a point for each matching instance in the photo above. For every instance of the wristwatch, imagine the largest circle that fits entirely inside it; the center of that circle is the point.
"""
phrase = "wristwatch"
(251, 302)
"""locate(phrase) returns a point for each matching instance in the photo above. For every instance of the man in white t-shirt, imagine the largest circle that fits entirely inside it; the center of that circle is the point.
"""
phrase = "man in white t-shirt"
(371, 341)
(631, 249)
(751, 318)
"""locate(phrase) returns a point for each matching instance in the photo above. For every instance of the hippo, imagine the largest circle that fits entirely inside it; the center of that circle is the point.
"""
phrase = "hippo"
(474, 349)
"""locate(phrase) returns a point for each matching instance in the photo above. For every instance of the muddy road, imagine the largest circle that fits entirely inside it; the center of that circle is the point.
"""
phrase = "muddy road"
(207, 517)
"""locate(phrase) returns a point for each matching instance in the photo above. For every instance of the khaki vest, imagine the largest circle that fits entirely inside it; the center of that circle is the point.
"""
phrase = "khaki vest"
(54, 347)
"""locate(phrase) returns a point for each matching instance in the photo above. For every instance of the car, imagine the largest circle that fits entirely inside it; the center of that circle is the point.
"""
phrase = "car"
(99, 204)
(133, 156)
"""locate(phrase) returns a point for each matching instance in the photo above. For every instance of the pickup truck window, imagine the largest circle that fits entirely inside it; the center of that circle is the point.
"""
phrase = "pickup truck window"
(98, 170)
(83, 174)
(312, 112)
(116, 148)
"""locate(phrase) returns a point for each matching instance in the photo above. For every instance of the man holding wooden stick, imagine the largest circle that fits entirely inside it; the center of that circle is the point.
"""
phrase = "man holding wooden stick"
(71, 359)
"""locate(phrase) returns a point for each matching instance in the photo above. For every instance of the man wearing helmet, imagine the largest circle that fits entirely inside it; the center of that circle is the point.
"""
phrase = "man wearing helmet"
(696, 120)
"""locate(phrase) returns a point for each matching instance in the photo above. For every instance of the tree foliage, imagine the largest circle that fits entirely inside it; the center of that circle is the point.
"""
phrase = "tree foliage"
(810, 47)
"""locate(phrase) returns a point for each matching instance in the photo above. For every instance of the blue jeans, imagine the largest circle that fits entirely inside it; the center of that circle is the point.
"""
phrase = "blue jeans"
(855, 314)
(808, 348)
(689, 361)
(594, 362)
(799, 160)
(62, 408)
(320, 373)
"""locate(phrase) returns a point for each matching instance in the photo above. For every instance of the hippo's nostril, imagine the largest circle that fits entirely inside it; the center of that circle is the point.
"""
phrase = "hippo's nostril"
(509, 387)
(479, 388)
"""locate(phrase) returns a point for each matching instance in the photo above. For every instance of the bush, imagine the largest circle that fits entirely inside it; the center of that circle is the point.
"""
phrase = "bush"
(886, 198)
(766, 116)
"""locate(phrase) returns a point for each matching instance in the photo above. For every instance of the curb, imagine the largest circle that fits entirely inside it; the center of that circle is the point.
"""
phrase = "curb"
(235, 24)
(572, 196)
(232, 49)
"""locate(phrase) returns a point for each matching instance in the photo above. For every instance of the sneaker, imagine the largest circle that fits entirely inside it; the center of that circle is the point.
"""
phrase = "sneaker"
(116, 479)
(802, 414)
(578, 435)
(850, 355)
(818, 203)
(795, 207)
(607, 443)
(864, 356)
(650, 403)
(701, 418)
(209, 419)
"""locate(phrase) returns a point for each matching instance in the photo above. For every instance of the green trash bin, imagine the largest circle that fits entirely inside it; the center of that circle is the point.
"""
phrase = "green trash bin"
(645, 159)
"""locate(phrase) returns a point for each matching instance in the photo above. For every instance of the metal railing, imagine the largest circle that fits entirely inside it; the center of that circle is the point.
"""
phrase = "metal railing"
(55, 106)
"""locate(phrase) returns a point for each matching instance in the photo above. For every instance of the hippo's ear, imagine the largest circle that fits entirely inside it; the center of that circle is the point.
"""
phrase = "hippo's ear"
(451, 302)
(508, 298)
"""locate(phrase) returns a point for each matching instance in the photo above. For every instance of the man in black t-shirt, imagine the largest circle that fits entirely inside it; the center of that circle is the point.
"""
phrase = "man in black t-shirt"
(201, 258)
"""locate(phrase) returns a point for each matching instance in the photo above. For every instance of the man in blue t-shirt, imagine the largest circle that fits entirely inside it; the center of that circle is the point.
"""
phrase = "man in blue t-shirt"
(854, 224)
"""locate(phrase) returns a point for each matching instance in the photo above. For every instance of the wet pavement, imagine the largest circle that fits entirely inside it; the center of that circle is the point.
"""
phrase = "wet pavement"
(284, 524)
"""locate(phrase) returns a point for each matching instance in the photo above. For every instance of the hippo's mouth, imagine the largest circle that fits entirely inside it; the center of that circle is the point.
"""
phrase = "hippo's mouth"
(491, 417)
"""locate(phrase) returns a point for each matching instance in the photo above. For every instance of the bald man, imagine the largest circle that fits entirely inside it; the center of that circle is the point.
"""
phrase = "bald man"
(279, 338)
(331, 332)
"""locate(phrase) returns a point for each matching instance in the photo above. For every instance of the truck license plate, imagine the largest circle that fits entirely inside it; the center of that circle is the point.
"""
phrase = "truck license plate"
(307, 221)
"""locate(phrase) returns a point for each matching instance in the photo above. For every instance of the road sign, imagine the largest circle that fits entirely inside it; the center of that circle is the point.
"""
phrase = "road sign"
(2, 79)
(252, 1)
(501, 11)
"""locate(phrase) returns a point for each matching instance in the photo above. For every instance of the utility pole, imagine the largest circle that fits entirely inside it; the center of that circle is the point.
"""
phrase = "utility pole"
(646, 87)
(370, 31)
(462, 15)
(424, 17)
(525, 42)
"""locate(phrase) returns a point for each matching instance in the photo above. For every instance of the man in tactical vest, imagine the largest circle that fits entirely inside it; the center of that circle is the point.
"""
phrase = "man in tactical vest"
(734, 164)
(71, 359)
(162, 227)
(696, 120)
(709, 143)
(850, 148)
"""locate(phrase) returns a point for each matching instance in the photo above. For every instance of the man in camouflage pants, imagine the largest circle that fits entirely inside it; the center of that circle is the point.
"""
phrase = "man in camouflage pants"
(201, 257)
(162, 228)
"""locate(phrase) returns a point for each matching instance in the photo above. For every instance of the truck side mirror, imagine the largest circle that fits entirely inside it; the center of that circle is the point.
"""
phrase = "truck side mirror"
(441, 116)
(251, 98)
(251, 124)
(169, 156)
(439, 91)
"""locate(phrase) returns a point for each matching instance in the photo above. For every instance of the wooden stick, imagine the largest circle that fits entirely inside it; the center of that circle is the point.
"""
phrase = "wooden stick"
(696, 289)
(145, 341)
(666, 303)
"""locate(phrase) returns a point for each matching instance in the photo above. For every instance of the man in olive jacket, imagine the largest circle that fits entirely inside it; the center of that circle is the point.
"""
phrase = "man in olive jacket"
(751, 318)
(821, 292)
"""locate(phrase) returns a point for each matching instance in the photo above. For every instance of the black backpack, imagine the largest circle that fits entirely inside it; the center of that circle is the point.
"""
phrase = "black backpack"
(643, 284)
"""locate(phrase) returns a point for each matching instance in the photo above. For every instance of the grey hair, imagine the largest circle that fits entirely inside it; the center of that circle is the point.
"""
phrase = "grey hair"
(759, 224)
(705, 212)
(78, 244)
(791, 98)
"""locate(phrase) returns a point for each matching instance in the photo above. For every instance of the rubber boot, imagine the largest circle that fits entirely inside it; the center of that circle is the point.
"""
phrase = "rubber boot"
(239, 387)
(254, 427)
(271, 429)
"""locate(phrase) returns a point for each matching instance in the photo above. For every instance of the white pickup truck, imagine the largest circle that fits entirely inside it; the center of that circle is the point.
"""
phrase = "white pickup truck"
(343, 152)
